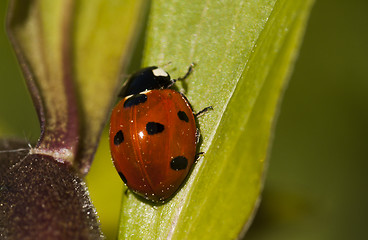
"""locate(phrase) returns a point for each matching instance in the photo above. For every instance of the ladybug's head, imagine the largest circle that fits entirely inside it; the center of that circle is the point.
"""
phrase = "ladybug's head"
(146, 79)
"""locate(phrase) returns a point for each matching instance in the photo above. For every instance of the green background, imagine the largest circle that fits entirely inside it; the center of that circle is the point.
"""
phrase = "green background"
(316, 186)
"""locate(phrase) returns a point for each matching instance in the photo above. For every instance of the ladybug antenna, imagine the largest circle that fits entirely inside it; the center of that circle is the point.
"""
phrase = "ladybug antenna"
(190, 70)
(167, 64)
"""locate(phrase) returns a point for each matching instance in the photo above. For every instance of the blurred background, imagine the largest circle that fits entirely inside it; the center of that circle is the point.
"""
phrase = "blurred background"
(317, 180)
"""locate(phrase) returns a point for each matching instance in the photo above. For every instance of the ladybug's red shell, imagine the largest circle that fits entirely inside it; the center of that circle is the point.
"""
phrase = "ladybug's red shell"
(153, 142)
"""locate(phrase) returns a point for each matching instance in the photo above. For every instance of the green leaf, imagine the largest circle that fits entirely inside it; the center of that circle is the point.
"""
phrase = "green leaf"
(105, 35)
(244, 53)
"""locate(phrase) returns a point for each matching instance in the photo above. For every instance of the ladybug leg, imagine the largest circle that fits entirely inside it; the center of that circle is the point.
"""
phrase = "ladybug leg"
(190, 70)
(198, 155)
(198, 132)
(126, 191)
(198, 114)
(198, 136)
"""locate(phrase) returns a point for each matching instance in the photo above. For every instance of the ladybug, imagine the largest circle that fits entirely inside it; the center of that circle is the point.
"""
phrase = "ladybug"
(153, 134)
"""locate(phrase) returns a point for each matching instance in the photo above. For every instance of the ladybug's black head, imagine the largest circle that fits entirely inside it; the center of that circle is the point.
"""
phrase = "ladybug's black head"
(146, 79)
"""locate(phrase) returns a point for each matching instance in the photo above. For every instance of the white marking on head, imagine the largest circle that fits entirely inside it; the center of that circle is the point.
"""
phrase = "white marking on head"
(159, 72)
(127, 97)
(131, 95)
(145, 92)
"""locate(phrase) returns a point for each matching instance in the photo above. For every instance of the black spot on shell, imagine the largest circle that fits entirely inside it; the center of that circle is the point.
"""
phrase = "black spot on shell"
(118, 138)
(122, 177)
(154, 128)
(179, 163)
(135, 100)
(183, 116)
